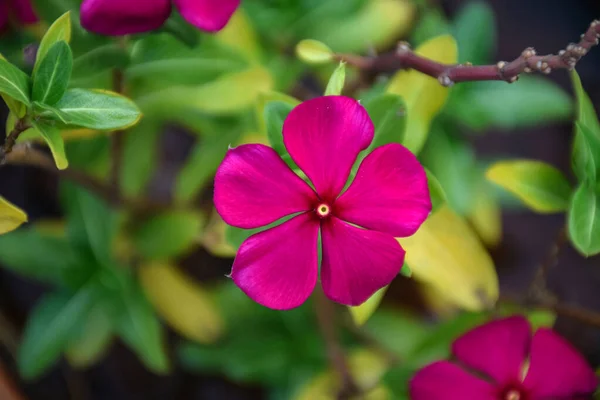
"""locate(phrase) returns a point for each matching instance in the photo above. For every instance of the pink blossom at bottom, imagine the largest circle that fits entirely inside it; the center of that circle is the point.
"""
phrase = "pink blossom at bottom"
(502, 360)
(388, 198)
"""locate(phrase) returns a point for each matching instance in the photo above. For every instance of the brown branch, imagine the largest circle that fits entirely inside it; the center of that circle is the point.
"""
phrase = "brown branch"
(447, 75)
(20, 126)
(325, 311)
(537, 289)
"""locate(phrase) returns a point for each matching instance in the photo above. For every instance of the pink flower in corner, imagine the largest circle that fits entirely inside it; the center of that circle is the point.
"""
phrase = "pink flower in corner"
(123, 17)
(502, 361)
(389, 198)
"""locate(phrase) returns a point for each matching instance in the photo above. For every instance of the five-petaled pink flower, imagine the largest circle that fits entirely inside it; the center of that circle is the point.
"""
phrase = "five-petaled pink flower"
(123, 17)
(501, 360)
(388, 198)
(20, 10)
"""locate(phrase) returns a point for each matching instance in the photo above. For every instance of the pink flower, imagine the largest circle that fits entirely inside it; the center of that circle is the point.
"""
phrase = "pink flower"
(502, 361)
(21, 10)
(123, 17)
(389, 198)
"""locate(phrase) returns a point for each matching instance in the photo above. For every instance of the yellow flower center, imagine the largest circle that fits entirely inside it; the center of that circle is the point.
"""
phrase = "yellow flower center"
(323, 210)
(513, 395)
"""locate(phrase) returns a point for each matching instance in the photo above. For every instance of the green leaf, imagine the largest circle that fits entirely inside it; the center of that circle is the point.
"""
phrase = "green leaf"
(168, 235)
(182, 30)
(585, 158)
(540, 186)
(388, 113)
(140, 329)
(98, 60)
(51, 324)
(95, 109)
(431, 23)
(360, 314)
(50, 10)
(336, 81)
(475, 31)
(90, 222)
(529, 101)
(140, 149)
(584, 219)
(59, 30)
(314, 52)
(275, 114)
(53, 75)
(47, 263)
(436, 192)
(14, 83)
(93, 339)
(54, 140)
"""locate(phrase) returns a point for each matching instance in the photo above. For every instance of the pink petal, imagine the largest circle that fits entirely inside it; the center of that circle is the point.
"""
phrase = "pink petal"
(556, 369)
(254, 187)
(357, 262)
(23, 11)
(123, 17)
(278, 267)
(498, 348)
(208, 15)
(3, 16)
(324, 136)
(389, 194)
(443, 380)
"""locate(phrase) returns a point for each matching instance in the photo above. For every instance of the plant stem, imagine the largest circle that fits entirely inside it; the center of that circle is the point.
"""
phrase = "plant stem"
(447, 75)
(537, 289)
(325, 312)
(20, 127)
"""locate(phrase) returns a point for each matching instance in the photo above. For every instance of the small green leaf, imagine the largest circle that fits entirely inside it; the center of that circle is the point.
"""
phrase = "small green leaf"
(314, 52)
(584, 220)
(54, 140)
(585, 158)
(140, 149)
(95, 109)
(53, 76)
(59, 30)
(406, 271)
(388, 113)
(436, 192)
(182, 30)
(14, 83)
(93, 339)
(275, 114)
(540, 186)
(50, 327)
(168, 235)
(360, 314)
(475, 31)
(140, 329)
(98, 60)
(336, 82)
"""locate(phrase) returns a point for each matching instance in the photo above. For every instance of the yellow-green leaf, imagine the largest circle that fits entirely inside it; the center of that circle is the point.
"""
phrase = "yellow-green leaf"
(59, 30)
(360, 314)
(93, 341)
(485, 217)
(51, 135)
(447, 254)
(265, 98)
(11, 216)
(185, 305)
(314, 52)
(336, 82)
(540, 186)
(424, 96)
(239, 35)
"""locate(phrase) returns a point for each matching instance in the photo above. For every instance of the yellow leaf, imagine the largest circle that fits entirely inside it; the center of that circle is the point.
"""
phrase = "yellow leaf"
(59, 30)
(447, 254)
(239, 35)
(360, 314)
(313, 52)
(11, 216)
(424, 96)
(366, 368)
(485, 217)
(185, 305)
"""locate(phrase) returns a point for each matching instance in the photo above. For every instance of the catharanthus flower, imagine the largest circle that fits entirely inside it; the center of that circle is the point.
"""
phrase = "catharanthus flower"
(123, 17)
(20, 10)
(502, 361)
(388, 198)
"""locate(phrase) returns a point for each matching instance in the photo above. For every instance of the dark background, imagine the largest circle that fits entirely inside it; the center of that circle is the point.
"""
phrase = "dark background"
(544, 24)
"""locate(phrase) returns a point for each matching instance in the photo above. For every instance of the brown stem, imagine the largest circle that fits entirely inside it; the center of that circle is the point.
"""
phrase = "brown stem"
(20, 127)
(537, 288)
(448, 75)
(325, 311)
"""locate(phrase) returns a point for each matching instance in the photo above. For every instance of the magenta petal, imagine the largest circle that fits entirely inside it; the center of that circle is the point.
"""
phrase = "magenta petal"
(3, 16)
(254, 187)
(23, 11)
(556, 369)
(278, 267)
(208, 15)
(324, 136)
(443, 380)
(498, 348)
(123, 17)
(389, 194)
(357, 262)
